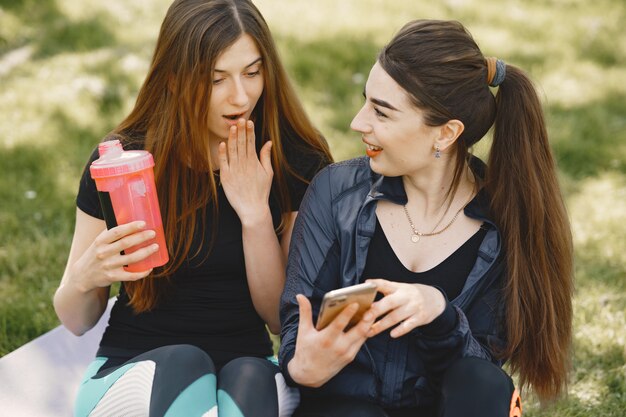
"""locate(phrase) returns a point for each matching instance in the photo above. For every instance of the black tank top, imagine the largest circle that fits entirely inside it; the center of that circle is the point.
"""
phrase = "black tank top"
(450, 275)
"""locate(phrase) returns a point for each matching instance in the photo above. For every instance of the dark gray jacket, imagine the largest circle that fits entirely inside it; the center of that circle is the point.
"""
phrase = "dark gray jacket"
(329, 245)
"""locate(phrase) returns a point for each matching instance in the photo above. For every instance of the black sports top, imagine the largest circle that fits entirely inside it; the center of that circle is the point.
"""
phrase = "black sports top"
(208, 304)
(449, 275)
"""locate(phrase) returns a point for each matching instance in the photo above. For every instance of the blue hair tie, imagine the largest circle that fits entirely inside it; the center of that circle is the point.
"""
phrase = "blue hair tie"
(500, 73)
(496, 71)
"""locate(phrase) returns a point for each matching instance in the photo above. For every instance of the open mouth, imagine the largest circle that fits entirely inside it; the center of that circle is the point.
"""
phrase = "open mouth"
(233, 117)
(371, 150)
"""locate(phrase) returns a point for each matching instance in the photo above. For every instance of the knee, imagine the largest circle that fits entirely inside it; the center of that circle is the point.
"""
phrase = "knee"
(247, 370)
(475, 375)
(187, 358)
(476, 369)
(246, 385)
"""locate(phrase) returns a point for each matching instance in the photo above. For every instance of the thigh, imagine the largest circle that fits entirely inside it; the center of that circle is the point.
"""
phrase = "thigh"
(161, 382)
(475, 387)
(254, 387)
(338, 407)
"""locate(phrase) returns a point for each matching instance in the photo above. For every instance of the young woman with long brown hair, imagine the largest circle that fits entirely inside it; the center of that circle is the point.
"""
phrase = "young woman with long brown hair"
(234, 153)
(473, 261)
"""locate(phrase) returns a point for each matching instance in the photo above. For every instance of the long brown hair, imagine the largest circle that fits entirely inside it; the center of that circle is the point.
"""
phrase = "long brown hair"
(445, 74)
(170, 119)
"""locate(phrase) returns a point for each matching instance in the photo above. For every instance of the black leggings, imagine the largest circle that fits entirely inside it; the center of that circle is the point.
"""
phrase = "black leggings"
(471, 387)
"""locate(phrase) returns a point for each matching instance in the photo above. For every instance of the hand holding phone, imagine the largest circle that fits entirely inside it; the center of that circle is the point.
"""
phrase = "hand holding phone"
(335, 301)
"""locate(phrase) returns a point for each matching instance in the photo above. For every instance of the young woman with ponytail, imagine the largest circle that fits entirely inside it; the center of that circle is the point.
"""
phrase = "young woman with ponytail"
(472, 261)
(234, 152)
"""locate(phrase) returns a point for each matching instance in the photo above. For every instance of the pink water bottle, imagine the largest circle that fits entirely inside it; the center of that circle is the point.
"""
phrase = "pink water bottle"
(125, 183)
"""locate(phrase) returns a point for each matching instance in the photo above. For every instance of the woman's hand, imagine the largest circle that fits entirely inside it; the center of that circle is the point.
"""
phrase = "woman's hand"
(246, 179)
(405, 306)
(102, 263)
(321, 354)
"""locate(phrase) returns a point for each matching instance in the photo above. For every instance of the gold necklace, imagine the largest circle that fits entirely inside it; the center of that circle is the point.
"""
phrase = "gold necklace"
(415, 237)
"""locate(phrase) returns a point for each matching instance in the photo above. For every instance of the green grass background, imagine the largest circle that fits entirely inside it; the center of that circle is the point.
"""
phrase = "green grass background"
(70, 70)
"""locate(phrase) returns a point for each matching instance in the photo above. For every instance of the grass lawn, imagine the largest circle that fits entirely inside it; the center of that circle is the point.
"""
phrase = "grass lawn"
(70, 70)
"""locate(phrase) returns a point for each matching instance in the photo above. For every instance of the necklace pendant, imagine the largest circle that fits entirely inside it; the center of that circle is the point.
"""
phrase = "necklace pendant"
(415, 238)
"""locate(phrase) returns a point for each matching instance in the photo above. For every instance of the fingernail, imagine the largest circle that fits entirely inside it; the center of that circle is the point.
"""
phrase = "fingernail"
(249, 123)
(367, 317)
(141, 225)
(151, 233)
(154, 247)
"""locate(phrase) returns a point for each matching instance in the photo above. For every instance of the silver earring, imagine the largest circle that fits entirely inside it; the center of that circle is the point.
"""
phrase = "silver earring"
(437, 152)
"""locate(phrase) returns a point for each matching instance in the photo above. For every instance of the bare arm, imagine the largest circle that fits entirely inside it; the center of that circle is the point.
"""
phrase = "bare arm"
(265, 266)
(79, 310)
(94, 263)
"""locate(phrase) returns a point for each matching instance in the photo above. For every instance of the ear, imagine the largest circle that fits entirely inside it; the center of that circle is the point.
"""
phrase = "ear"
(448, 134)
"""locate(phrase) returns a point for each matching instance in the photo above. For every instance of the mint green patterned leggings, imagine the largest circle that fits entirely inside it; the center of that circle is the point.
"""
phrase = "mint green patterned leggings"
(180, 381)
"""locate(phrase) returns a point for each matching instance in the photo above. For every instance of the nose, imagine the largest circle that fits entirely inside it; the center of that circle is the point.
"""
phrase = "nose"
(238, 94)
(359, 123)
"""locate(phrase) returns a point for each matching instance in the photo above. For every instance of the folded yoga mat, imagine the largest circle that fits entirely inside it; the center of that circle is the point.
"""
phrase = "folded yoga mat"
(41, 378)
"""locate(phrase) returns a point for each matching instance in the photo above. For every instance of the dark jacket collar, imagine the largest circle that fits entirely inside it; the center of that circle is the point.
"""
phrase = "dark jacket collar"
(388, 188)
(392, 189)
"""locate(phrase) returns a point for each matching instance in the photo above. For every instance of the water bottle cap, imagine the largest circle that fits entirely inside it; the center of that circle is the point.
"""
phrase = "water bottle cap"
(114, 160)
(110, 148)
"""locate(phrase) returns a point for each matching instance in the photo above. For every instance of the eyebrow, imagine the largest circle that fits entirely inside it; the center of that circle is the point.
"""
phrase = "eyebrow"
(259, 59)
(381, 103)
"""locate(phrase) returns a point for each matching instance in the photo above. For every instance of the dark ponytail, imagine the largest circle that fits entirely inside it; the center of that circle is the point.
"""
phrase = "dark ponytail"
(528, 208)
